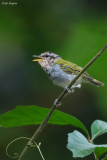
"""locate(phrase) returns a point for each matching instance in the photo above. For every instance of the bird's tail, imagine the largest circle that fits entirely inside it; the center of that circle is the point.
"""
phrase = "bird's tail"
(96, 82)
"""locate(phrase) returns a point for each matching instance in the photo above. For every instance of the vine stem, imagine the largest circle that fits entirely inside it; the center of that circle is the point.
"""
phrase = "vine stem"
(44, 123)
(38, 147)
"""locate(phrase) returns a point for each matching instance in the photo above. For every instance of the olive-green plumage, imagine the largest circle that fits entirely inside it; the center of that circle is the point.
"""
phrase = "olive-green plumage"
(68, 67)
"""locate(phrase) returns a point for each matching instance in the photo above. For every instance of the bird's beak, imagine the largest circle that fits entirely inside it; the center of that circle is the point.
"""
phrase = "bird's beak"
(38, 58)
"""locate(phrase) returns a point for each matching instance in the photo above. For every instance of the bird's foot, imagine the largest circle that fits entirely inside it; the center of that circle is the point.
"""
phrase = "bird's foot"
(57, 103)
(67, 89)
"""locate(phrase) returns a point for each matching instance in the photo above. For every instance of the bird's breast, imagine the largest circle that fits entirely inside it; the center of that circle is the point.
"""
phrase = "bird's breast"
(59, 77)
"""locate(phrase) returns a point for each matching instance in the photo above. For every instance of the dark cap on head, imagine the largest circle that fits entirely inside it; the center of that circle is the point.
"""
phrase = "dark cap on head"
(49, 54)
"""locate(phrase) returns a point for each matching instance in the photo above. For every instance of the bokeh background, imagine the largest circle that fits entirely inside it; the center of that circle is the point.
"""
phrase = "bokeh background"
(74, 29)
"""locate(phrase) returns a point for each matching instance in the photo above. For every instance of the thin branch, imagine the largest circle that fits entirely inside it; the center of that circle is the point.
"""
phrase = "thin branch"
(44, 123)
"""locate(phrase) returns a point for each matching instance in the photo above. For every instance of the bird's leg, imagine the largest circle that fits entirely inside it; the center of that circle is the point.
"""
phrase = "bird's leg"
(56, 103)
(71, 90)
(67, 89)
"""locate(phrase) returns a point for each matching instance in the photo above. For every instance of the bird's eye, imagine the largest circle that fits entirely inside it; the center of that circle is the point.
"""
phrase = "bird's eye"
(46, 55)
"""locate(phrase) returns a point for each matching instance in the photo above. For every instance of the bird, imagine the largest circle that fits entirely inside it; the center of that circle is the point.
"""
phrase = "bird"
(62, 72)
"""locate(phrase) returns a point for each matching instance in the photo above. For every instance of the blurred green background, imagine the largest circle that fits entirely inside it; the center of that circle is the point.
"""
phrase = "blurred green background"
(74, 29)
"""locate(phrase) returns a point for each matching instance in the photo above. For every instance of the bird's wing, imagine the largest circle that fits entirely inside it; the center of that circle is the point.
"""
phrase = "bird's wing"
(72, 68)
(69, 67)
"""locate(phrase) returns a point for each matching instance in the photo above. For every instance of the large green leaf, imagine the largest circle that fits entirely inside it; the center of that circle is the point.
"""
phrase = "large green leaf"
(79, 145)
(98, 128)
(28, 115)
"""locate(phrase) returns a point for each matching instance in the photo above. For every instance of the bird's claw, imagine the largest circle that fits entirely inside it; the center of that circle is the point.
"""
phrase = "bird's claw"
(56, 103)
(67, 89)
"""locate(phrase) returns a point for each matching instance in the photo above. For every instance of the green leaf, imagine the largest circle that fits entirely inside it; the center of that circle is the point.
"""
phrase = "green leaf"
(100, 151)
(29, 115)
(79, 145)
(98, 128)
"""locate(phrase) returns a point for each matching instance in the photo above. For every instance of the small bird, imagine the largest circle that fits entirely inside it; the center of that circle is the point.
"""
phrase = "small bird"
(62, 72)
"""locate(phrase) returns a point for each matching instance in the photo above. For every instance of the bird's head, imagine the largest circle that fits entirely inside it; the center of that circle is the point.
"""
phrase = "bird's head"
(46, 58)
